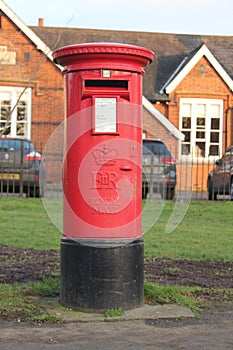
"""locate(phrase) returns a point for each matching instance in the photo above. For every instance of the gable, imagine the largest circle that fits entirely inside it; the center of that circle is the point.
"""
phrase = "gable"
(188, 64)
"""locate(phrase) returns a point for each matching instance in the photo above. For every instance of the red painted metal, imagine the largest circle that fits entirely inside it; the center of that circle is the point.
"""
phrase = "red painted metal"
(102, 166)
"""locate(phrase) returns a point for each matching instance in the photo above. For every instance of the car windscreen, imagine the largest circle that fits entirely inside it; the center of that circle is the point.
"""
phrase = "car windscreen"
(16, 146)
(157, 148)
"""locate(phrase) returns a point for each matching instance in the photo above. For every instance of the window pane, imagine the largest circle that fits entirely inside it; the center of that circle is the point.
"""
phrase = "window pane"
(186, 123)
(186, 109)
(214, 150)
(214, 137)
(187, 136)
(21, 111)
(215, 123)
(200, 123)
(185, 149)
(215, 110)
(200, 149)
(4, 117)
(200, 134)
(21, 126)
(201, 109)
(21, 129)
(5, 110)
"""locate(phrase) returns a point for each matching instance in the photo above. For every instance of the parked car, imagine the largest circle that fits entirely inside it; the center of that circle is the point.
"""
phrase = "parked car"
(159, 169)
(20, 167)
(220, 179)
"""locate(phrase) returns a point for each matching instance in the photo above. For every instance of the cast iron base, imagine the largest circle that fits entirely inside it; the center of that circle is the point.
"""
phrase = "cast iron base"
(97, 275)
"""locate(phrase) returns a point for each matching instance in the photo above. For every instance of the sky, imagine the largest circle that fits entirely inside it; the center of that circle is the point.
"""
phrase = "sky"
(211, 17)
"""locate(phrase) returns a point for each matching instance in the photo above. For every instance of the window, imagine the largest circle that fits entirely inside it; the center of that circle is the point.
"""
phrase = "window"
(15, 112)
(201, 123)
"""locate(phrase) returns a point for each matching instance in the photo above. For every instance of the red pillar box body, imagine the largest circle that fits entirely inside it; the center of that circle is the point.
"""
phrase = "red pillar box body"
(102, 166)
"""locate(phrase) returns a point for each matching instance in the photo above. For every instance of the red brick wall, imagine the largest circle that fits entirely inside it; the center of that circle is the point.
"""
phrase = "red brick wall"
(197, 84)
(38, 73)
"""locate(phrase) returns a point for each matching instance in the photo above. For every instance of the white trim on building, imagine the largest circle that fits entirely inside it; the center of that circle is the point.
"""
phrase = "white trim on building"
(162, 119)
(16, 102)
(201, 120)
(203, 51)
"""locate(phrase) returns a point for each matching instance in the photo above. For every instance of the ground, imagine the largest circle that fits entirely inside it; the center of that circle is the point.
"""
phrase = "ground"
(207, 274)
(212, 330)
(24, 265)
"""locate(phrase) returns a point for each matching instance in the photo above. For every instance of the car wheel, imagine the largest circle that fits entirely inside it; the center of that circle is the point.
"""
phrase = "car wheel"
(34, 192)
(167, 192)
(170, 193)
(212, 196)
(231, 189)
(144, 190)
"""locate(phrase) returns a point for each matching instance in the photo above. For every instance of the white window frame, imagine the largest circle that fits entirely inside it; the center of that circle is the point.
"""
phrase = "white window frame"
(14, 93)
(208, 103)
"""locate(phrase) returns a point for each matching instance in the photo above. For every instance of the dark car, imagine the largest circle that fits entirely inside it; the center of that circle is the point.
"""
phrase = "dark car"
(20, 167)
(159, 170)
(220, 179)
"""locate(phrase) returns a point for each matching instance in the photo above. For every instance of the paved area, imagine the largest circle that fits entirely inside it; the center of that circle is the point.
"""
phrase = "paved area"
(122, 335)
(151, 312)
(212, 331)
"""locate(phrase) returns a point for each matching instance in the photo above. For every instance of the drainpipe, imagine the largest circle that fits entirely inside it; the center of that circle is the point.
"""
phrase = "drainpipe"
(227, 111)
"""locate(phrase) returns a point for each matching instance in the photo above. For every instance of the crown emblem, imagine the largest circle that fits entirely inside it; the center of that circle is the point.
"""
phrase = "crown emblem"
(104, 155)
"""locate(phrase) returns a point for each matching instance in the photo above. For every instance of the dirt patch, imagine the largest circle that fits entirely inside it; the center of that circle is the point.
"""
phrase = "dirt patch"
(24, 265)
(207, 274)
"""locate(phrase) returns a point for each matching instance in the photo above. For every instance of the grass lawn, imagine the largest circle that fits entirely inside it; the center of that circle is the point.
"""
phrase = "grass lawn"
(24, 224)
(205, 233)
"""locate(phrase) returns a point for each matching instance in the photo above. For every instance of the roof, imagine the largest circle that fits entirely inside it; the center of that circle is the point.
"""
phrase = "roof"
(47, 39)
(162, 119)
(172, 51)
(175, 54)
(189, 62)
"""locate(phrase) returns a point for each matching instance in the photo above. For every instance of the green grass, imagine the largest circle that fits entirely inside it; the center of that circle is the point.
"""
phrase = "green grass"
(190, 297)
(155, 293)
(204, 234)
(25, 224)
(19, 303)
(116, 312)
(49, 288)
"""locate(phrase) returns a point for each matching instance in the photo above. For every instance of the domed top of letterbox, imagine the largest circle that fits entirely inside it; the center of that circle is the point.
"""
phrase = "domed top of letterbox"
(103, 55)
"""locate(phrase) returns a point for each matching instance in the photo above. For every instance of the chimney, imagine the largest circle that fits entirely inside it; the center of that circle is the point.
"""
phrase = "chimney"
(41, 22)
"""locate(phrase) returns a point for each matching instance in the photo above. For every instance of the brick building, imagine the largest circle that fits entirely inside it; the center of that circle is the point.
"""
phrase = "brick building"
(31, 86)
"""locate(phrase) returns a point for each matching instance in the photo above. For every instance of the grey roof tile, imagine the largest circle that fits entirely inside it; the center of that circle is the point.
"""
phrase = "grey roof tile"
(169, 49)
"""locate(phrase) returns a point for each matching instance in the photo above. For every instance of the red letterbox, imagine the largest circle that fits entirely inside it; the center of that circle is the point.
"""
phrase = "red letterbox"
(102, 167)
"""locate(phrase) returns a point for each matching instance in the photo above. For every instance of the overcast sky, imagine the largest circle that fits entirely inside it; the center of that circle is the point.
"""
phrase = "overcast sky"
(212, 17)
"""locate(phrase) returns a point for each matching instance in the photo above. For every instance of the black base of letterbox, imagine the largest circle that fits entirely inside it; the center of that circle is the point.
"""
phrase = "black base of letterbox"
(99, 276)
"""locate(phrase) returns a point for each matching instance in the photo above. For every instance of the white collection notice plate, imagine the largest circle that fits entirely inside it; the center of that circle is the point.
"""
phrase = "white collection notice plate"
(105, 114)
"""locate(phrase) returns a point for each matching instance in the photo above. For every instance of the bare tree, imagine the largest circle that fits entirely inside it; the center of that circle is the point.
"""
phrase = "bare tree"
(7, 110)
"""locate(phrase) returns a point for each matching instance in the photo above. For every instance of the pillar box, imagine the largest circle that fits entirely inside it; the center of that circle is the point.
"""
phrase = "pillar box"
(102, 245)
